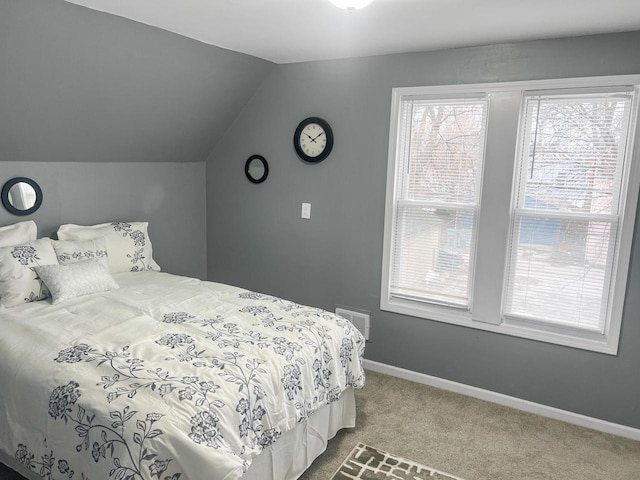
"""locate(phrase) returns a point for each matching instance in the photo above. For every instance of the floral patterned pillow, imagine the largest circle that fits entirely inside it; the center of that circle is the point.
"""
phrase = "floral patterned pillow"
(18, 280)
(74, 251)
(128, 245)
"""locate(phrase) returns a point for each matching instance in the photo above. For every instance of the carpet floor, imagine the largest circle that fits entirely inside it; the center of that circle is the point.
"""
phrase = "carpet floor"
(474, 439)
(470, 438)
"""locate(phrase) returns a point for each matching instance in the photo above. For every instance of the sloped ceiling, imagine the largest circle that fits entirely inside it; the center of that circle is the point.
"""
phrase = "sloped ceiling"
(82, 86)
(285, 31)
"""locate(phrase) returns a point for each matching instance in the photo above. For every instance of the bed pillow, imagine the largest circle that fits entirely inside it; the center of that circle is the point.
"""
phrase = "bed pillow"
(74, 251)
(76, 279)
(19, 283)
(18, 233)
(128, 246)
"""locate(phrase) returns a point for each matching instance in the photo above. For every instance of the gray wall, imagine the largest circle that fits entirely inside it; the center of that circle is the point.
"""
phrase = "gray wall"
(80, 85)
(257, 239)
(170, 196)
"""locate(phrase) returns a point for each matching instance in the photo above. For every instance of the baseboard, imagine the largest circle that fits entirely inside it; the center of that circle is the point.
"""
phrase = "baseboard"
(506, 400)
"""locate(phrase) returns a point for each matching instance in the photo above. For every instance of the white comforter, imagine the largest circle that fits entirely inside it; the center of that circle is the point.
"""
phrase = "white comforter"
(166, 378)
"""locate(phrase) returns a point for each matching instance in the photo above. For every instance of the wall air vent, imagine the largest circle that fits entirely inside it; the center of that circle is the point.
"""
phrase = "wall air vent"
(360, 320)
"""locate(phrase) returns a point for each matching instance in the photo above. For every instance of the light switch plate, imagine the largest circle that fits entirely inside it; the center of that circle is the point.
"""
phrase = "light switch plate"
(306, 210)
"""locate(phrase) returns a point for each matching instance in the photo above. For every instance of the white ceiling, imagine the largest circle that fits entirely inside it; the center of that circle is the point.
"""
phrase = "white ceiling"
(286, 31)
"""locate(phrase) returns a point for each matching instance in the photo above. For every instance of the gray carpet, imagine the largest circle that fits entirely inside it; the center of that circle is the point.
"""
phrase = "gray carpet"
(475, 440)
(470, 438)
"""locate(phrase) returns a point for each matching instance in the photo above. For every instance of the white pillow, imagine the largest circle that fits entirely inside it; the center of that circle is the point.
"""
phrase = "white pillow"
(73, 251)
(128, 246)
(76, 279)
(18, 281)
(18, 233)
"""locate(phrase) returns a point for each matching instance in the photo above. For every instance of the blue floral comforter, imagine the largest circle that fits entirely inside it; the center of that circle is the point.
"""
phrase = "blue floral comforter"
(166, 378)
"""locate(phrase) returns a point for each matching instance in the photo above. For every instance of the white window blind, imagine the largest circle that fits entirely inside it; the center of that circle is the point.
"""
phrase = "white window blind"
(567, 205)
(439, 167)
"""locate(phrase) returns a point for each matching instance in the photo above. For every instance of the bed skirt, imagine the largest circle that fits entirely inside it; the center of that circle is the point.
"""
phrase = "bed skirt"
(296, 449)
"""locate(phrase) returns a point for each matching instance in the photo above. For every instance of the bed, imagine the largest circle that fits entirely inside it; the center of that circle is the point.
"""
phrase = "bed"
(167, 377)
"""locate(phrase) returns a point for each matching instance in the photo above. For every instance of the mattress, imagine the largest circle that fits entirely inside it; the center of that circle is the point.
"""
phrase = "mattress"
(173, 378)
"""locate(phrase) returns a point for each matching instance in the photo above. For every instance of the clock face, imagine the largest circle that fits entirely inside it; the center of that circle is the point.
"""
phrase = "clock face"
(313, 140)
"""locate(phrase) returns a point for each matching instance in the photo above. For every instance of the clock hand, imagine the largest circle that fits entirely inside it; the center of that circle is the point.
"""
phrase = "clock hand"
(310, 138)
(314, 139)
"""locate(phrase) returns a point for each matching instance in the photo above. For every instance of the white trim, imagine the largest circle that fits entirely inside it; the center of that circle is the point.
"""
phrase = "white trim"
(528, 86)
(506, 400)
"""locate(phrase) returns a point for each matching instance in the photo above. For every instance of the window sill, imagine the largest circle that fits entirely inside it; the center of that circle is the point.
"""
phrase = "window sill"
(568, 337)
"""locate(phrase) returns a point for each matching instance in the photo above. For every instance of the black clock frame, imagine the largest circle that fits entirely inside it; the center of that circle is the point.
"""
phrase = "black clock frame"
(328, 132)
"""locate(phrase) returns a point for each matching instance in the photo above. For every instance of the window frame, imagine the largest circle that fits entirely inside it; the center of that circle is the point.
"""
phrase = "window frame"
(495, 213)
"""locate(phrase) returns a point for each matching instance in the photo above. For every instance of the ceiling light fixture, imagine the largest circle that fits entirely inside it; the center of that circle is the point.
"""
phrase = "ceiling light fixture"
(351, 5)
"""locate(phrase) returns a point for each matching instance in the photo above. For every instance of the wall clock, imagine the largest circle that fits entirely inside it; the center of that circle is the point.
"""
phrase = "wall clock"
(313, 140)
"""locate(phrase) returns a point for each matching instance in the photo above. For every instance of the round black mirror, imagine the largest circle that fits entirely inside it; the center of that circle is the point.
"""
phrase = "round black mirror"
(256, 169)
(21, 196)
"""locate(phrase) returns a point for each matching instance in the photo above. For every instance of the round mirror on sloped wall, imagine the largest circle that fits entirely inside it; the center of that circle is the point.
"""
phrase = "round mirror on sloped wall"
(256, 169)
(21, 196)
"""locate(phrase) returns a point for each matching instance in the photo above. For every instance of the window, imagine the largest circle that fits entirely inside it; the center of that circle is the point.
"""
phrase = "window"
(511, 207)
(441, 153)
(567, 199)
